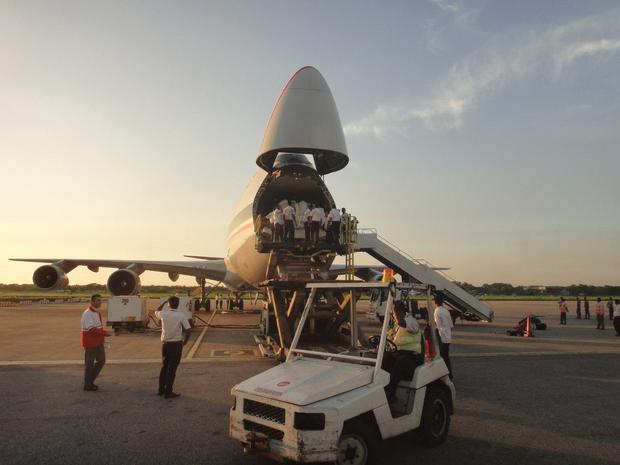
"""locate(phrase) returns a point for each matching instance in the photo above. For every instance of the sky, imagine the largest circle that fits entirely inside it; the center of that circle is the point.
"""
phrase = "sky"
(483, 136)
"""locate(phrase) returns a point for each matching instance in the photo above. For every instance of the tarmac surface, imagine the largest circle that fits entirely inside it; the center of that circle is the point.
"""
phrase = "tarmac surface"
(552, 399)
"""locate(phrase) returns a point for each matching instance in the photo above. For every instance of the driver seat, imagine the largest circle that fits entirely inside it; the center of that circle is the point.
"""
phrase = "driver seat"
(406, 389)
(406, 383)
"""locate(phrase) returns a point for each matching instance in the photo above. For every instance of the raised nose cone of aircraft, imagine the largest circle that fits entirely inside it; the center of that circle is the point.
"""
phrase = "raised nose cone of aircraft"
(305, 120)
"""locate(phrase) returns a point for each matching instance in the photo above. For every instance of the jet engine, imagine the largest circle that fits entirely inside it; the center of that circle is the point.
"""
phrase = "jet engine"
(50, 278)
(124, 282)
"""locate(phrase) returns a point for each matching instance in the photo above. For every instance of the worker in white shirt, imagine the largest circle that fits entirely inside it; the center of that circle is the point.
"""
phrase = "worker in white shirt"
(307, 219)
(278, 221)
(318, 216)
(443, 321)
(173, 325)
(272, 225)
(92, 339)
(290, 222)
(333, 224)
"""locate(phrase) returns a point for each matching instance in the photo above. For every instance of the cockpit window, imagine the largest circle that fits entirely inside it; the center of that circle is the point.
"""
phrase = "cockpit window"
(289, 159)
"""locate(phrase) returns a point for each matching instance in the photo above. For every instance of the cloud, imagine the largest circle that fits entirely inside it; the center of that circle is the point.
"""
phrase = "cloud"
(433, 37)
(460, 15)
(485, 72)
(575, 51)
(447, 6)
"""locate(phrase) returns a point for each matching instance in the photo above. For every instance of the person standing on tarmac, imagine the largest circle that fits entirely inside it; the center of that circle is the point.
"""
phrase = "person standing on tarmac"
(92, 339)
(563, 310)
(578, 310)
(173, 325)
(610, 308)
(600, 314)
(290, 223)
(443, 321)
(586, 308)
(617, 317)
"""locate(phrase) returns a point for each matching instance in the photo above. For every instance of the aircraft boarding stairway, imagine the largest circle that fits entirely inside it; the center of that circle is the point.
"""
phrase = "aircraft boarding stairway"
(420, 271)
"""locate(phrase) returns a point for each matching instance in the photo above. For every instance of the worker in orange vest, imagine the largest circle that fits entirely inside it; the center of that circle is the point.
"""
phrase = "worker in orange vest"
(563, 311)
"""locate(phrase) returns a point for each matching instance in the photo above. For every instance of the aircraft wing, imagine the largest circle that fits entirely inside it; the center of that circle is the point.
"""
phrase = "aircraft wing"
(208, 269)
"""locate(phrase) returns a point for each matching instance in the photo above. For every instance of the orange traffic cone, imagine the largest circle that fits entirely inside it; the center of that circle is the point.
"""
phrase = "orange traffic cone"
(528, 328)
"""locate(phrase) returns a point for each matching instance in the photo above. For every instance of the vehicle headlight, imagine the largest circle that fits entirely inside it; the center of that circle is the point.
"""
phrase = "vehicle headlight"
(309, 421)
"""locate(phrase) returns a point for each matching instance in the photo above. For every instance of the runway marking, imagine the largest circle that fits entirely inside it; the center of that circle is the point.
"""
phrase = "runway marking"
(233, 353)
(197, 343)
(596, 380)
(136, 361)
(530, 354)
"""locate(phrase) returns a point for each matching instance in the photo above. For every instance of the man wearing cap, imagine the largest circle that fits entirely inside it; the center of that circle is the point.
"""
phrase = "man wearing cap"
(173, 325)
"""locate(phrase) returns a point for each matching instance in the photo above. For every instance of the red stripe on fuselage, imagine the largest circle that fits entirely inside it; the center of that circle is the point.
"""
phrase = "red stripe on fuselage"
(240, 228)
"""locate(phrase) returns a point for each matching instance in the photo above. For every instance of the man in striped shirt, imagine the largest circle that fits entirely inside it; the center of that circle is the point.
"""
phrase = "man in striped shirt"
(92, 339)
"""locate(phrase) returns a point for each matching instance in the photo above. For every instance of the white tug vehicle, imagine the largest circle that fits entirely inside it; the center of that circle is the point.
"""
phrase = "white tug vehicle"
(320, 406)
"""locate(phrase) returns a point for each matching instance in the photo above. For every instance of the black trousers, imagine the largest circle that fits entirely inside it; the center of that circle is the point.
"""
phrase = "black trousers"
(444, 351)
(279, 237)
(335, 229)
(401, 365)
(314, 231)
(617, 325)
(578, 312)
(171, 353)
(94, 360)
(600, 321)
(562, 318)
(611, 313)
(307, 234)
(586, 315)
(289, 230)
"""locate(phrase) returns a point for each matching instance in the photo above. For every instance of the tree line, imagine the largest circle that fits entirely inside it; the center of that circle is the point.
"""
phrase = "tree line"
(572, 290)
(485, 289)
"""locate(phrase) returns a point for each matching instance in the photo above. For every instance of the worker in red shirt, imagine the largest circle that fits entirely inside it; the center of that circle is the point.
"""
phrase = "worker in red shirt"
(563, 310)
(600, 314)
(92, 340)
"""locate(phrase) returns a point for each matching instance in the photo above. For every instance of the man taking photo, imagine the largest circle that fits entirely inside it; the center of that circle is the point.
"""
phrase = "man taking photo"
(173, 325)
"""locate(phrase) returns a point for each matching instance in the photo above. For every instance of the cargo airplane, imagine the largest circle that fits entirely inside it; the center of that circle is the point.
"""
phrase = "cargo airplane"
(303, 141)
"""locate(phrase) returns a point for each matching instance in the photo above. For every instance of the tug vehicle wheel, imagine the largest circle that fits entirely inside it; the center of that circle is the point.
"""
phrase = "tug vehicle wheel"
(435, 423)
(356, 445)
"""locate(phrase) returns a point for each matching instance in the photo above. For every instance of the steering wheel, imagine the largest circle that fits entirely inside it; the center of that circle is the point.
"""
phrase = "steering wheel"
(389, 344)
